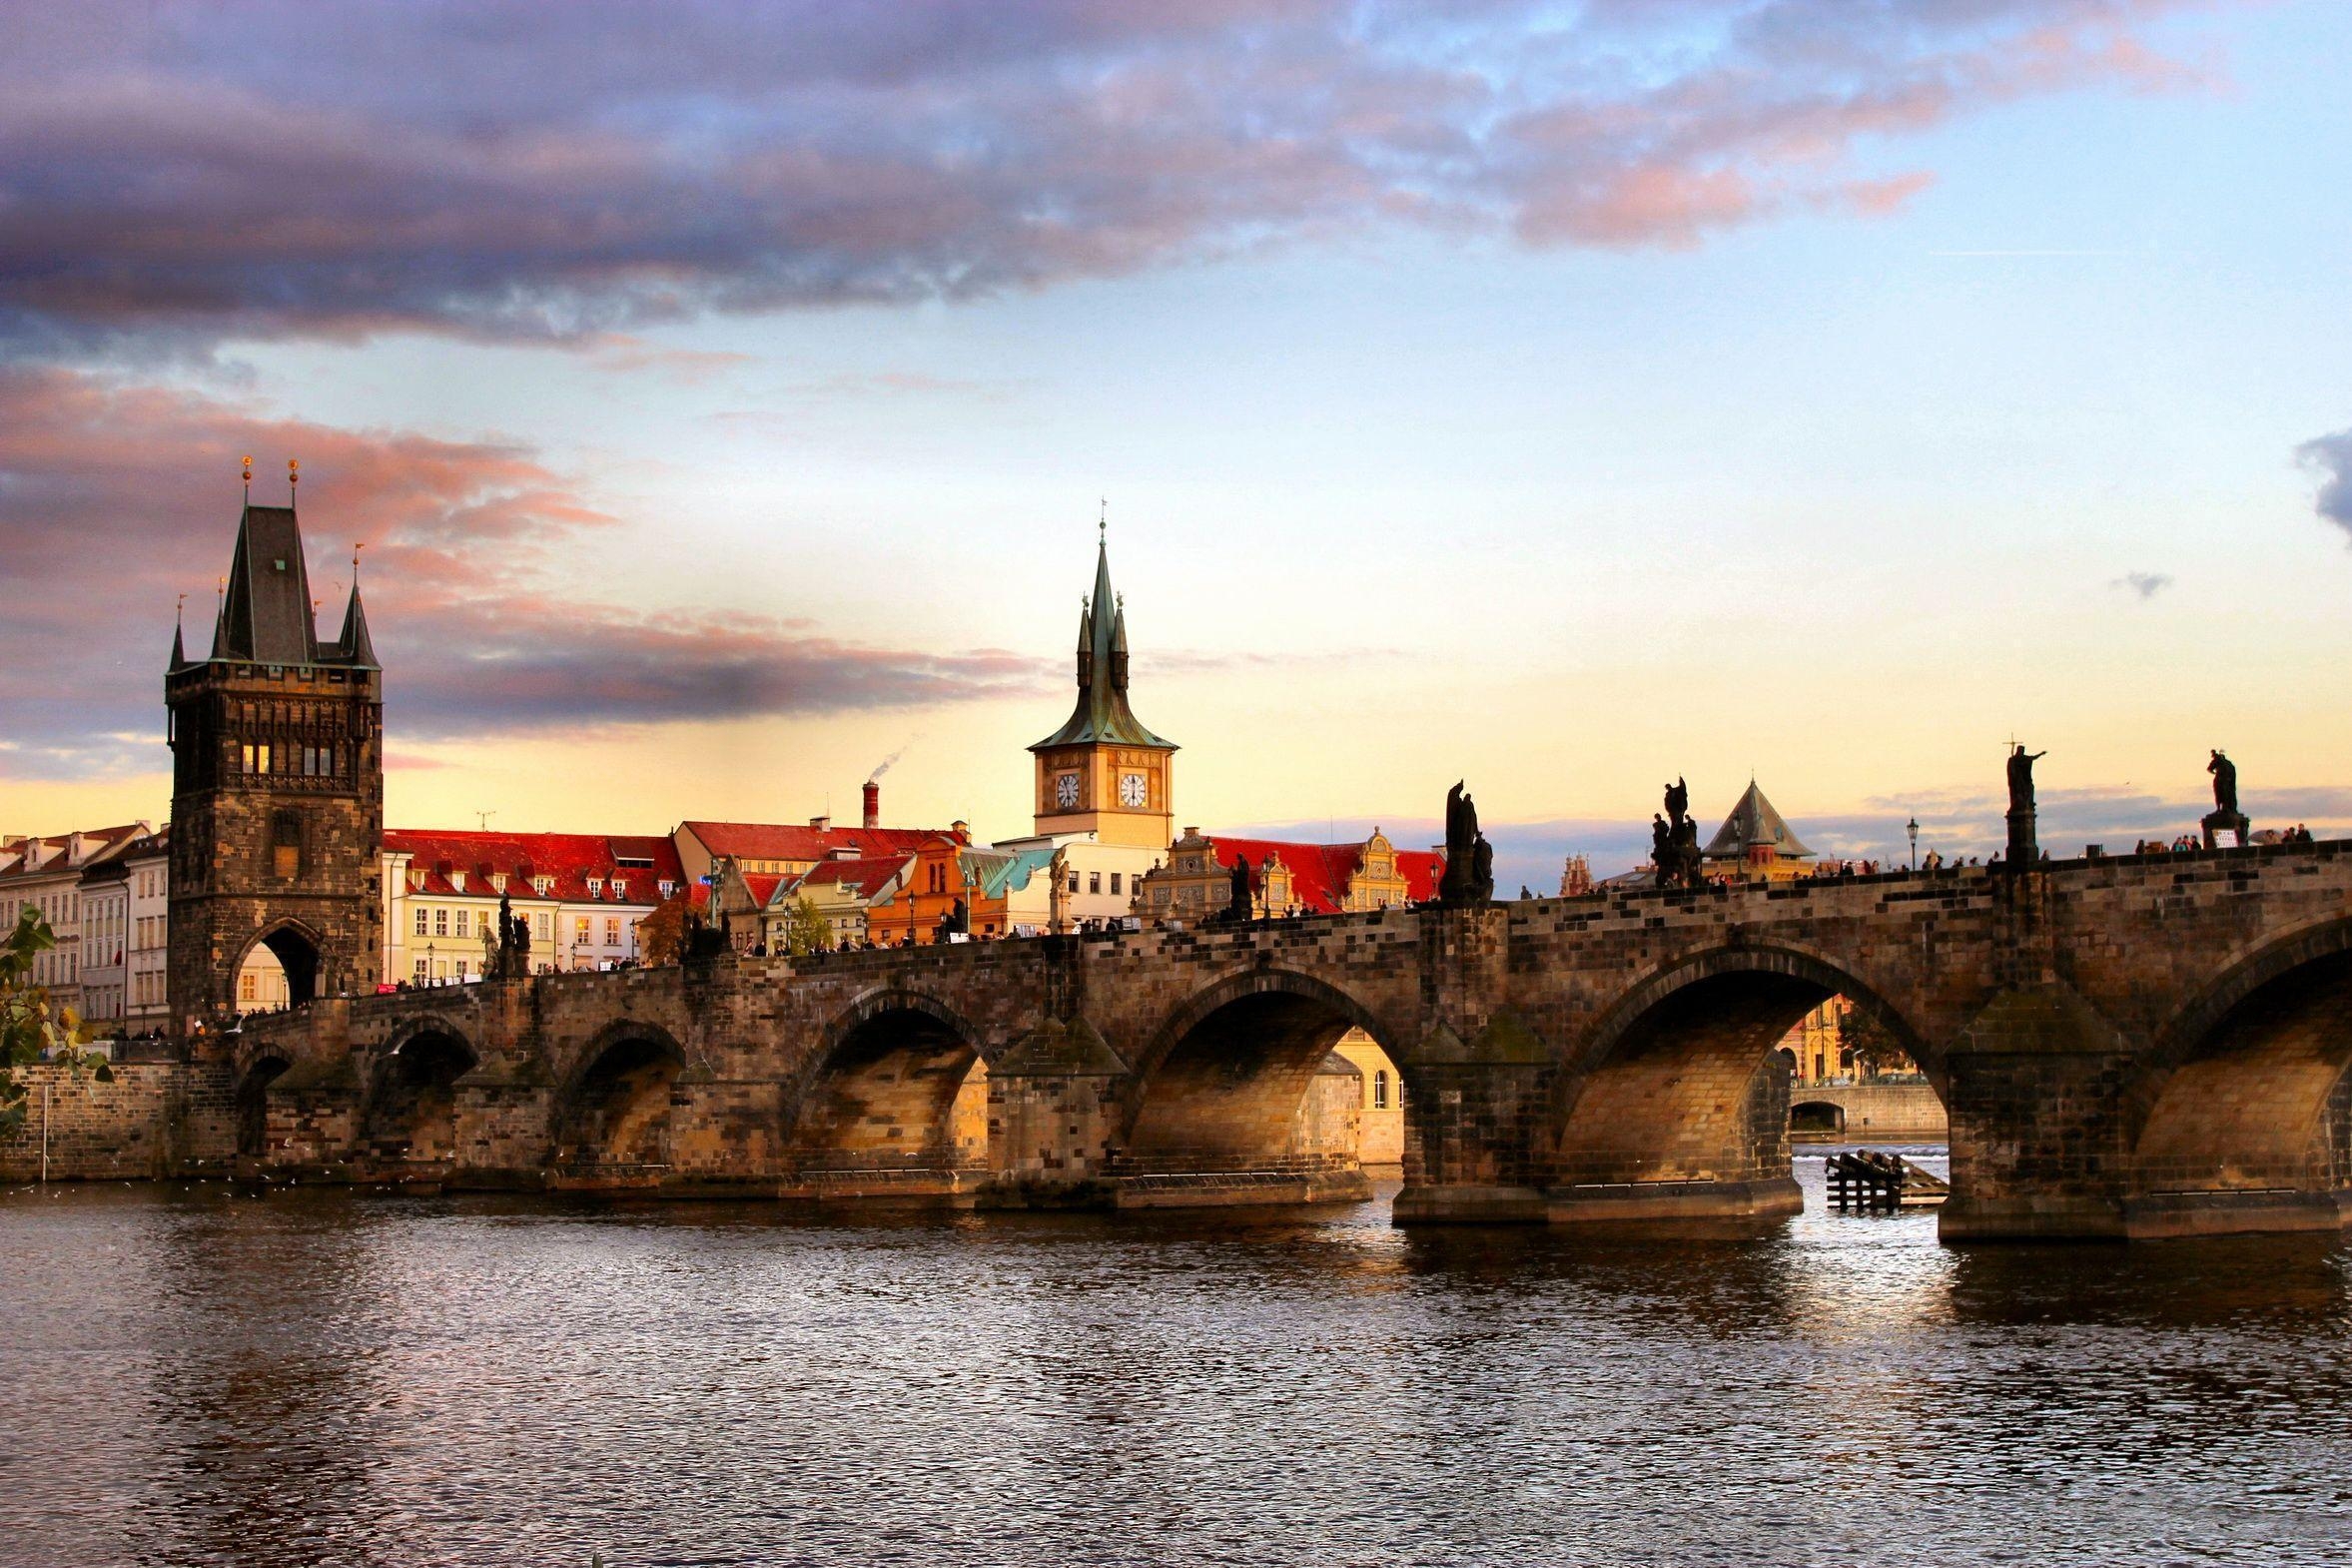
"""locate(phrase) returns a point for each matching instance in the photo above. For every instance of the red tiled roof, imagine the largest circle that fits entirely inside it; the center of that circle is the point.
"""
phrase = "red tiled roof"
(1319, 873)
(778, 841)
(863, 877)
(572, 860)
(762, 885)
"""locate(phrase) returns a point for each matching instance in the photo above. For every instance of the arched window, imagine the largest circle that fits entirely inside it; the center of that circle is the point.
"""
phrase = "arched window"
(1380, 1089)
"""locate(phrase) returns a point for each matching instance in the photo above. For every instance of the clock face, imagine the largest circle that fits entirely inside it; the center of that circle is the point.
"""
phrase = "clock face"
(1066, 790)
(1133, 789)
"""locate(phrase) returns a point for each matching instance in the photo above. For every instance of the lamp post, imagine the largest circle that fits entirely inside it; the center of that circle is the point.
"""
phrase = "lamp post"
(431, 977)
(1913, 828)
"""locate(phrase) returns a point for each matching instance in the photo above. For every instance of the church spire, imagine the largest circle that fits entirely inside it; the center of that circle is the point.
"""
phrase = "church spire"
(1102, 714)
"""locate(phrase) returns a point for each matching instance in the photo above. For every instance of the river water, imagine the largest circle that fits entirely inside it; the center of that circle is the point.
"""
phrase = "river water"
(194, 1376)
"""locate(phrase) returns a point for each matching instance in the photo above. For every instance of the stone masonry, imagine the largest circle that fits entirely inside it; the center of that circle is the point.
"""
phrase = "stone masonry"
(2126, 1047)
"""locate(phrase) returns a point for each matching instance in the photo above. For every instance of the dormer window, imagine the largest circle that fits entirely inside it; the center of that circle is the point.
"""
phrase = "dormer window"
(620, 890)
(498, 882)
(668, 888)
(457, 881)
(595, 886)
(542, 884)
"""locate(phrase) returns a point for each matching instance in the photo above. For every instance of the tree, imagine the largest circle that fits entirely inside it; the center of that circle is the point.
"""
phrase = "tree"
(661, 935)
(806, 930)
(28, 1032)
(1866, 1036)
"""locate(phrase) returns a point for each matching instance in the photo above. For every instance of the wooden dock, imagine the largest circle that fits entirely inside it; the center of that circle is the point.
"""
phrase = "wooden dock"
(1866, 1180)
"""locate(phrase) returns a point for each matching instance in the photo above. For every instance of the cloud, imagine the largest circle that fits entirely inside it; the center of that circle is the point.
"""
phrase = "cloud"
(105, 517)
(174, 176)
(2330, 456)
(2147, 585)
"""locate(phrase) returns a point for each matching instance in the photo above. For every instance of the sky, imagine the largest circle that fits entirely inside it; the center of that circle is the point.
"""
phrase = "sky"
(1564, 398)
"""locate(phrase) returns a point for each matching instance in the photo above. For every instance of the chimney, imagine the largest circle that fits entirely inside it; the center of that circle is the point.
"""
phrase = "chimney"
(821, 824)
(873, 803)
(962, 831)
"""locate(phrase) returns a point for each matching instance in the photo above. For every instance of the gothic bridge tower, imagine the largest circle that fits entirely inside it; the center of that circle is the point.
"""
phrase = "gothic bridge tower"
(277, 787)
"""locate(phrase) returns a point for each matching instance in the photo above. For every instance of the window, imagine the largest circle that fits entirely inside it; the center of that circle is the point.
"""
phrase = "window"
(286, 843)
(461, 922)
(420, 916)
(1074, 882)
(1093, 881)
(595, 886)
(1380, 1089)
(441, 922)
(419, 972)
(541, 885)
(1115, 882)
(540, 925)
(246, 988)
(668, 886)
(613, 930)
(579, 930)
(461, 972)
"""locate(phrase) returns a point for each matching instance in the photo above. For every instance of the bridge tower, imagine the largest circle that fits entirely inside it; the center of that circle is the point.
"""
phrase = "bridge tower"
(277, 787)
(1102, 772)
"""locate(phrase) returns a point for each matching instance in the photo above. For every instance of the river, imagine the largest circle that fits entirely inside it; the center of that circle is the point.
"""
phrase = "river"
(191, 1375)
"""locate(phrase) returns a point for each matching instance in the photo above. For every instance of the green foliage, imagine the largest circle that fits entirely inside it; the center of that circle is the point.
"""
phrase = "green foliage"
(806, 930)
(1872, 1043)
(29, 1031)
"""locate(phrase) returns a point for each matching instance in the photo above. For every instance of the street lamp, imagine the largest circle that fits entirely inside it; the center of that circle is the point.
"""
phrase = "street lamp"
(431, 977)
(1913, 828)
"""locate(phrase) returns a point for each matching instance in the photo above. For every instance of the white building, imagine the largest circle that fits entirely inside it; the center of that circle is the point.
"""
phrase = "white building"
(583, 895)
(46, 873)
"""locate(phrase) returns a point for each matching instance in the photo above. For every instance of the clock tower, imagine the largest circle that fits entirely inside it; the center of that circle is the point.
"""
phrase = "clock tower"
(1101, 772)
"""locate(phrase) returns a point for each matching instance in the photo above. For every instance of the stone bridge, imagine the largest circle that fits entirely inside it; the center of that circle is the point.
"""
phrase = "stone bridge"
(2126, 1047)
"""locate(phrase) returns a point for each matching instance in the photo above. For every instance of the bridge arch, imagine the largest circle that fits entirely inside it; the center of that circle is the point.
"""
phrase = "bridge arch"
(2247, 1088)
(899, 1083)
(1231, 1079)
(412, 1108)
(298, 951)
(613, 1110)
(1682, 1082)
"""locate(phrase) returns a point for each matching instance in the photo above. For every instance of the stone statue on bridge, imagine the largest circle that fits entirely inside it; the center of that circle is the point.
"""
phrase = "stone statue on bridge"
(1459, 884)
(956, 922)
(2225, 813)
(1241, 901)
(2021, 856)
(1482, 871)
(1674, 841)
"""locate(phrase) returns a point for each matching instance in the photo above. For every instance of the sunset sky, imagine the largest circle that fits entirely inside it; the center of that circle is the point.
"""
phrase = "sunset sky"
(1561, 396)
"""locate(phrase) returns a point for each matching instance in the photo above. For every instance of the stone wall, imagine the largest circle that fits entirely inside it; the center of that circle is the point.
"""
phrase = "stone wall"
(1880, 1112)
(156, 1118)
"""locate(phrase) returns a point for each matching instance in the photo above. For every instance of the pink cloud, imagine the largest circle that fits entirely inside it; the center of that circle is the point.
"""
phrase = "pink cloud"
(106, 515)
(176, 178)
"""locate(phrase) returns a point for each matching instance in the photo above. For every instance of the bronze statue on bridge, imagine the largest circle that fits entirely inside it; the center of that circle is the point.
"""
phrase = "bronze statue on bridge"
(2021, 853)
(2225, 813)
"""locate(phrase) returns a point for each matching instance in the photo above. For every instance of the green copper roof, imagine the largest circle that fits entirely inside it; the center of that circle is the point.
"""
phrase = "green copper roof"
(1102, 714)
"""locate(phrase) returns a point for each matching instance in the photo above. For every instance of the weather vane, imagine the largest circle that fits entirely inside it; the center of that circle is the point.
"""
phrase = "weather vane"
(248, 461)
(356, 547)
(294, 476)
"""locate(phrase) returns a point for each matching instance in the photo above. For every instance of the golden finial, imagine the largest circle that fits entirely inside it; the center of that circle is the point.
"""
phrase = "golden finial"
(294, 476)
(356, 547)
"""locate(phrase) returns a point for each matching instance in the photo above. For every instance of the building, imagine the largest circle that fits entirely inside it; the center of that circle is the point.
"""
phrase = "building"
(1104, 784)
(276, 787)
(1289, 878)
(844, 893)
(146, 866)
(581, 894)
(784, 849)
(1755, 844)
(49, 874)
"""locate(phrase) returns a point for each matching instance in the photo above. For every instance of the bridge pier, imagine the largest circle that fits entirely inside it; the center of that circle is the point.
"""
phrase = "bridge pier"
(2038, 1146)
